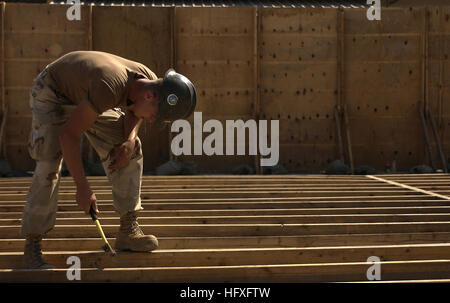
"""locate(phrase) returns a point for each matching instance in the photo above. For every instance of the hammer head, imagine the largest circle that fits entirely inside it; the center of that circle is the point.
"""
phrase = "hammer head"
(108, 248)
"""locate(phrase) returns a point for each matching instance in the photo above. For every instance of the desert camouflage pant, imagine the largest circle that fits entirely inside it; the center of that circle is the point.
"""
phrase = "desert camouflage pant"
(50, 111)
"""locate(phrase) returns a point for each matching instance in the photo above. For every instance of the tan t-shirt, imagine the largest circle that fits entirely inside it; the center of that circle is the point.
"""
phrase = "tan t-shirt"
(101, 78)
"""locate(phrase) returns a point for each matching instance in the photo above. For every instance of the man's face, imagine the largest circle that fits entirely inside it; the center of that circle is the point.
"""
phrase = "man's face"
(146, 107)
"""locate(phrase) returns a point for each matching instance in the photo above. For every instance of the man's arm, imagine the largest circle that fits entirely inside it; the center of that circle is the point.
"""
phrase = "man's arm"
(123, 153)
(131, 124)
(80, 121)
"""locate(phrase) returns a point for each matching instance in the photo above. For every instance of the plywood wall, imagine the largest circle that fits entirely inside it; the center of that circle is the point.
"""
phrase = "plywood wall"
(260, 63)
(35, 35)
(383, 86)
(215, 49)
(141, 34)
(438, 96)
(298, 51)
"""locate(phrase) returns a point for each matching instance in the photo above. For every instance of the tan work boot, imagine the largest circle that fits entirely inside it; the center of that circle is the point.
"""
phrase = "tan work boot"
(131, 237)
(33, 255)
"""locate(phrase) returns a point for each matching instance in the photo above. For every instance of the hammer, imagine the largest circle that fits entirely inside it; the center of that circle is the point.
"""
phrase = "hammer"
(106, 247)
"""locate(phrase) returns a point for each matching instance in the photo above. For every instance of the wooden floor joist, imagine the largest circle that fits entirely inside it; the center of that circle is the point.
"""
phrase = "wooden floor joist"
(221, 228)
(427, 192)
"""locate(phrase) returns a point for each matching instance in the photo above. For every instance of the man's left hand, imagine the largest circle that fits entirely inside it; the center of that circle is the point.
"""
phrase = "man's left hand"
(121, 155)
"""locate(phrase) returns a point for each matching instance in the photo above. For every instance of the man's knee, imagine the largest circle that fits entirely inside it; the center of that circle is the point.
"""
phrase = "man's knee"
(47, 172)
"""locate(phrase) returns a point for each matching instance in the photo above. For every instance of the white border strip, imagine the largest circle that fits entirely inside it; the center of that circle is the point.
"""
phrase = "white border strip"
(409, 187)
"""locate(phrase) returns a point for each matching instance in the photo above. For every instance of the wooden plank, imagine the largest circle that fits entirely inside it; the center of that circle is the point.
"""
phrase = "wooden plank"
(214, 48)
(143, 26)
(327, 192)
(238, 75)
(416, 189)
(184, 230)
(254, 187)
(382, 155)
(251, 189)
(214, 21)
(62, 244)
(394, 75)
(302, 157)
(297, 48)
(388, 103)
(238, 179)
(148, 180)
(249, 205)
(19, 135)
(246, 188)
(20, 101)
(230, 194)
(445, 73)
(298, 100)
(259, 211)
(253, 219)
(317, 21)
(290, 76)
(235, 180)
(18, 157)
(394, 20)
(439, 41)
(23, 80)
(218, 164)
(395, 270)
(42, 45)
(382, 48)
(385, 129)
(33, 17)
(440, 21)
(309, 129)
(357, 198)
(233, 257)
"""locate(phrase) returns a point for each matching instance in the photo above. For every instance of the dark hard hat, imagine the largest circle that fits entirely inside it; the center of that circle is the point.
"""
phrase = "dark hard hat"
(177, 97)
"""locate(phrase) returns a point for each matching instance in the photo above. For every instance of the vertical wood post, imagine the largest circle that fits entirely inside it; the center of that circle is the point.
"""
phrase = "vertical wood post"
(173, 62)
(90, 47)
(256, 78)
(342, 101)
(339, 85)
(440, 118)
(90, 43)
(424, 100)
(4, 104)
(425, 61)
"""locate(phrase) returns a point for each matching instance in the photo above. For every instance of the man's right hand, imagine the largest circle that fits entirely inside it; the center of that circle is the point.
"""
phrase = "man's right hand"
(85, 198)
